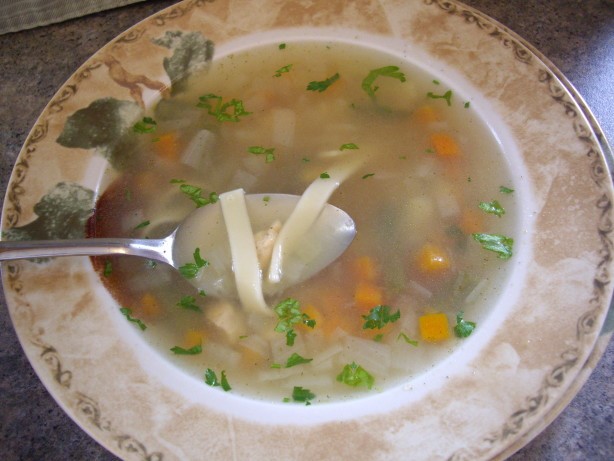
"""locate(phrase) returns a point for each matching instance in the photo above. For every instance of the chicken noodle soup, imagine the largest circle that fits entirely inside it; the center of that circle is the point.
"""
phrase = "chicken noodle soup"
(430, 194)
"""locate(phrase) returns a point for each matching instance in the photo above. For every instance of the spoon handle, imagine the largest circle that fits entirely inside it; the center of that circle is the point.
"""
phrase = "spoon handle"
(158, 249)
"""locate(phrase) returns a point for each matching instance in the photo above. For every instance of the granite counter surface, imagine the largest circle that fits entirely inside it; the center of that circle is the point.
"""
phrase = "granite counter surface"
(576, 35)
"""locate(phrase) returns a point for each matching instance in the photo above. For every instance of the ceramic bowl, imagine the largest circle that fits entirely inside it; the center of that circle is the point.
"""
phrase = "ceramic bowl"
(485, 401)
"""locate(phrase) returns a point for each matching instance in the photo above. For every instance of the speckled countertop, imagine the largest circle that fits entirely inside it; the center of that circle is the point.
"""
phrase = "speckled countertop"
(576, 35)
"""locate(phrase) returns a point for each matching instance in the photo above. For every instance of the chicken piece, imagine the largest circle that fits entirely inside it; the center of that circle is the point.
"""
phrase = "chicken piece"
(227, 318)
(265, 240)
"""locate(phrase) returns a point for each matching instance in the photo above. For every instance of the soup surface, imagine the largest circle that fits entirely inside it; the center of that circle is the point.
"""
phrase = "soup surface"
(429, 191)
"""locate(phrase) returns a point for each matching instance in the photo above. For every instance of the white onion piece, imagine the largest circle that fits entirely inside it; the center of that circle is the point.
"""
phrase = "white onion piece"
(248, 276)
(307, 211)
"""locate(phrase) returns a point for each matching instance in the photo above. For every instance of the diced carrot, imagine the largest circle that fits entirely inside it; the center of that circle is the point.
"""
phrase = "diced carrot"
(193, 338)
(445, 145)
(471, 221)
(367, 295)
(432, 259)
(425, 115)
(149, 306)
(434, 327)
(364, 268)
(167, 146)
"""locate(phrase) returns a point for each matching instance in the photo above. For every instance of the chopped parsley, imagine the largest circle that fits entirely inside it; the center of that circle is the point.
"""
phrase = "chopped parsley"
(146, 125)
(195, 193)
(387, 71)
(266, 198)
(429, 150)
(108, 268)
(293, 360)
(211, 380)
(407, 339)
(368, 175)
(493, 207)
(194, 350)
(500, 244)
(202, 293)
(269, 153)
(289, 314)
(141, 225)
(230, 111)
(150, 263)
(282, 70)
(379, 316)
(324, 175)
(447, 96)
(463, 328)
(189, 303)
(349, 145)
(282, 46)
(467, 104)
(190, 270)
(322, 85)
(354, 375)
(300, 394)
(505, 190)
(128, 314)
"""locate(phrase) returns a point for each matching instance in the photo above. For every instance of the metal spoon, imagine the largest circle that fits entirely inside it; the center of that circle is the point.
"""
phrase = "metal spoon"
(326, 240)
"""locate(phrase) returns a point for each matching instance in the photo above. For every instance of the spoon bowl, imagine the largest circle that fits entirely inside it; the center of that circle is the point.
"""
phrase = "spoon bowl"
(326, 239)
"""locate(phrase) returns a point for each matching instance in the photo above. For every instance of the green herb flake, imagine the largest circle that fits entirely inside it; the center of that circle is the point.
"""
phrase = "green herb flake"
(379, 316)
(142, 225)
(146, 125)
(190, 270)
(282, 70)
(269, 153)
(177, 181)
(189, 303)
(324, 175)
(467, 104)
(296, 359)
(202, 293)
(108, 268)
(322, 85)
(194, 350)
(195, 194)
(447, 96)
(128, 314)
(505, 190)
(436, 82)
(429, 151)
(354, 375)
(150, 263)
(289, 314)
(388, 71)
(463, 328)
(378, 338)
(497, 243)
(282, 46)
(407, 339)
(300, 394)
(306, 160)
(348, 146)
(211, 380)
(230, 111)
(493, 207)
(368, 175)
(266, 199)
